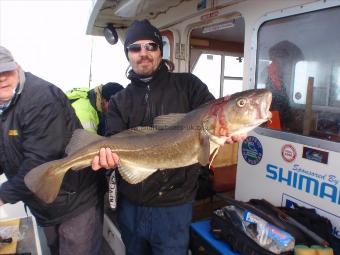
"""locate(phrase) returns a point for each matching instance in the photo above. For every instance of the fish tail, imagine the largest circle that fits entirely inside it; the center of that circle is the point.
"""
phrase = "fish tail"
(45, 180)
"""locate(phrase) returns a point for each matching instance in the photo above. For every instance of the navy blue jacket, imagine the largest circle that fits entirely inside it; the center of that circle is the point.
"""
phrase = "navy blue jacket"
(137, 105)
(34, 129)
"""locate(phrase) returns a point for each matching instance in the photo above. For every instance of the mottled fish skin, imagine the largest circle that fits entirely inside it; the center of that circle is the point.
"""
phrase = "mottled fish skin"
(180, 140)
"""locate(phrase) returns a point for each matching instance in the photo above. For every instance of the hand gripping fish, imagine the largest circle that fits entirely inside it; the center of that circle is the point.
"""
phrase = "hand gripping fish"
(175, 140)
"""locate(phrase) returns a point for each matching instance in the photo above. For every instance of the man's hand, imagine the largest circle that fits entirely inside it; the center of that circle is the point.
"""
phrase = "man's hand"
(106, 159)
(236, 138)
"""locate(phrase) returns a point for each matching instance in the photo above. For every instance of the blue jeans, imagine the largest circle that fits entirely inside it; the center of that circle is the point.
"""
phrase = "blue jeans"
(154, 230)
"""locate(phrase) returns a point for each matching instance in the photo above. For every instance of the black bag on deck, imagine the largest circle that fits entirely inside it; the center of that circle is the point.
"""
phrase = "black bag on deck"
(316, 223)
(226, 227)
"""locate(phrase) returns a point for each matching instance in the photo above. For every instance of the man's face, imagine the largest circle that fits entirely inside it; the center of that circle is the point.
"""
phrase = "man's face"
(144, 62)
(8, 82)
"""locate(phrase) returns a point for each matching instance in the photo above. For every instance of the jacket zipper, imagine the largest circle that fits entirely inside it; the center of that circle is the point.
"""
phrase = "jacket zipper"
(146, 97)
(147, 117)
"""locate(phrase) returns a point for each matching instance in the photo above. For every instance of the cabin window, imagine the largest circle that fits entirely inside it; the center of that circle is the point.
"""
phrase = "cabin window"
(168, 41)
(293, 52)
(233, 75)
(208, 69)
(166, 47)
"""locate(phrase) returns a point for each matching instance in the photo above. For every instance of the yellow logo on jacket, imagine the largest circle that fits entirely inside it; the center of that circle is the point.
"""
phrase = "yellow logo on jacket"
(13, 132)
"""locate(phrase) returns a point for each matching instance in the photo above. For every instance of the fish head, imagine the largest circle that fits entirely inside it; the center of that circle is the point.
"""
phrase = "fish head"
(238, 113)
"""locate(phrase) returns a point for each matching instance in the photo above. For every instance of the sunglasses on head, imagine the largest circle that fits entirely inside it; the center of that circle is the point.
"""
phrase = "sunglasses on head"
(137, 47)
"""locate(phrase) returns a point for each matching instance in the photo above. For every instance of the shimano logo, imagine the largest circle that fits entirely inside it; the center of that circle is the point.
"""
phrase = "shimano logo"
(311, 183)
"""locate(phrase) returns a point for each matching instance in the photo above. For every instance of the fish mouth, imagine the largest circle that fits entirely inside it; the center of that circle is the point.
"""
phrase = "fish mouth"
(269, 116)
(264, 114)
(264, 118)
(266, 105)
(258, 122)
(250, 127)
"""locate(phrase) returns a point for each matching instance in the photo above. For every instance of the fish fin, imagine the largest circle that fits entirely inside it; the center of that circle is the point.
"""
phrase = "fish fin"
(45, 180)
(136, 131)
(79, 167)
(80, 139)
(164, 121)
(134, 174)
(226, 155)
(204, 153)
(213, 156)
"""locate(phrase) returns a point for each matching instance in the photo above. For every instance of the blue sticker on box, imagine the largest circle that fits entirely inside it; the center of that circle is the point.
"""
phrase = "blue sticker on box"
(315, 155)
(252, 150)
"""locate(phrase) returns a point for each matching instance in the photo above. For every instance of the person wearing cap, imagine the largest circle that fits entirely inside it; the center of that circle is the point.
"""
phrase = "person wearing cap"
(108, 90)
(283, 55)
(36, 123)
(90, 105)
(154, 216)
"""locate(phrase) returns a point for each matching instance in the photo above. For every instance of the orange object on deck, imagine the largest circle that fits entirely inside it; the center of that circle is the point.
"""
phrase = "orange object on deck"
(275, 122)
(224, 178)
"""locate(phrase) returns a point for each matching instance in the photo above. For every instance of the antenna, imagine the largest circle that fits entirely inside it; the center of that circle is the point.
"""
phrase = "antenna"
(91, 53)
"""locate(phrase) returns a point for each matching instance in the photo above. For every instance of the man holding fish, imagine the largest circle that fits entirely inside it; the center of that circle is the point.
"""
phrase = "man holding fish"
(154, 215)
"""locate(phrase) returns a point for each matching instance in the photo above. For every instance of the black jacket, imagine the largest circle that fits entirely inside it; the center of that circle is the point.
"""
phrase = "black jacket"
(138, 105)
(34, 129)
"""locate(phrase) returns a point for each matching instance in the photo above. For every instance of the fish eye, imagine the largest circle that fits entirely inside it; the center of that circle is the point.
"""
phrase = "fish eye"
(241, 102)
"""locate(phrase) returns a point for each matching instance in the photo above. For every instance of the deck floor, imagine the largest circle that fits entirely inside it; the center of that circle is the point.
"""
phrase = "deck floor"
(204, 208)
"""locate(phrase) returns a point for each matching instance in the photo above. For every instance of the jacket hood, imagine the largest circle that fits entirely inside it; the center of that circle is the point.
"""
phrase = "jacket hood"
(77, 93)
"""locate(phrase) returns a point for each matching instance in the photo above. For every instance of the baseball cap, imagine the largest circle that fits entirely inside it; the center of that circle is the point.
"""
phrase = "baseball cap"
(7, 62)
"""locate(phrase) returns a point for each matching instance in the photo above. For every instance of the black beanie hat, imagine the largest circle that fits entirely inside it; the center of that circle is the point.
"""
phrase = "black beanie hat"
(110, 88)
(142, 30)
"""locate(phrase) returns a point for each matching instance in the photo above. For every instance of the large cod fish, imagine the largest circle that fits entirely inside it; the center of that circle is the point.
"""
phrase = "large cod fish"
(175, 140)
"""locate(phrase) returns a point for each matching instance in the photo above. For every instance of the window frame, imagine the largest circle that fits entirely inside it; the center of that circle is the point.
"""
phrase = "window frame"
(222, 67)
(292, 137)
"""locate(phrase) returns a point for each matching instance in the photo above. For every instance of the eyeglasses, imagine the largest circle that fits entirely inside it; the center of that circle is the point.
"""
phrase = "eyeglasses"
(137, 47)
